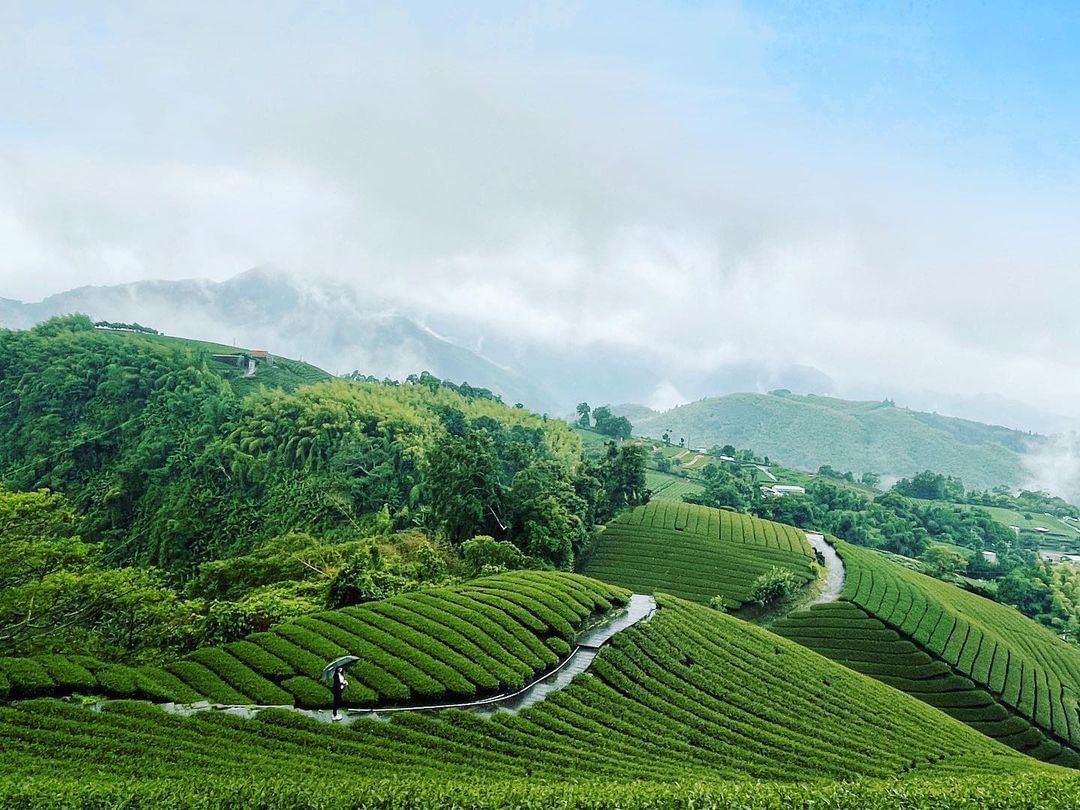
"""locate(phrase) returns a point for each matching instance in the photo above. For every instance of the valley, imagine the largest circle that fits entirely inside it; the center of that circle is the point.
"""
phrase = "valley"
(532, 613)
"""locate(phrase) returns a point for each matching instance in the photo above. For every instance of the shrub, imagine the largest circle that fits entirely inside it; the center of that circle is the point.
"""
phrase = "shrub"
(720, 602)
(485, 555)
(558, 646)
(260, 660)
(27, 677)
(775, 585)
(66, 673)
(118, 680)
(308, 693)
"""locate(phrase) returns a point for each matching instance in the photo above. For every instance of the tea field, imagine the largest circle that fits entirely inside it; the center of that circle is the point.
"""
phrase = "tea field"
(696, 552)
(668, 487)
(690, 708)
(484, 637)
(977, 660)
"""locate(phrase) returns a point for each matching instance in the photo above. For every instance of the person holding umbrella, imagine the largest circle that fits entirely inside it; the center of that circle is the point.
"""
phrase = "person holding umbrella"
(334, 673)
(337, 686)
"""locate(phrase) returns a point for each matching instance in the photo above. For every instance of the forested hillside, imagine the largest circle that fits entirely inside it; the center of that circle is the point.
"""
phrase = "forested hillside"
(811, 431)
(227, 501)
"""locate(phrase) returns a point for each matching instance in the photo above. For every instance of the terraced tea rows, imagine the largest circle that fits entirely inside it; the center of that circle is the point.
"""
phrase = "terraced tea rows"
(489, 635)
(696, 552)
(691, 697)
(979, 661)
(667, 487)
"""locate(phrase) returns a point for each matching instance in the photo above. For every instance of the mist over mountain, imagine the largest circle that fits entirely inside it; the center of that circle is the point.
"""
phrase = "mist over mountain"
(339, 328)
(330, 325)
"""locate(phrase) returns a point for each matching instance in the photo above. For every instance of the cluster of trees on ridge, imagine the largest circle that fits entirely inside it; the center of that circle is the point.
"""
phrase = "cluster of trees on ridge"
(227, 513)
(603, 421)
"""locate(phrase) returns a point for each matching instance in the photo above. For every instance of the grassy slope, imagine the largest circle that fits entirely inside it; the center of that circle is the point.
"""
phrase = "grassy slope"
(695, 552)
(668, 487)
(487, 636)
(690, 703)
(809, 431)
(981, 661)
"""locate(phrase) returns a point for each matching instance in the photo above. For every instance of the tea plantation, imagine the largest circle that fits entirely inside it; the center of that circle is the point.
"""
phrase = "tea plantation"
(696, 552)
(483, 637)
(691, 708)
(979, 661)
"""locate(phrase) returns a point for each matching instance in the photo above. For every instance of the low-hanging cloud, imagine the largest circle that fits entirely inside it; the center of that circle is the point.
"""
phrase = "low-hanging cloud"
(527, 175)
(1055, 467)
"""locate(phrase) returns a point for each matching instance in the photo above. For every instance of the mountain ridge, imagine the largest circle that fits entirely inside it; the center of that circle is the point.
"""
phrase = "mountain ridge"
(809, 431)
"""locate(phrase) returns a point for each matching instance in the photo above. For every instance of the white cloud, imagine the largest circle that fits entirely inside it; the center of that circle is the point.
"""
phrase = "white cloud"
(539, 174)
(1056, 467)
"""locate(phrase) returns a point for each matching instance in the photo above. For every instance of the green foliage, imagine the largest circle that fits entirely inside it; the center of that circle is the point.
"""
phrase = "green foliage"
(775, 585)
(893, 522)
(484, 555)
(720, 603)
(465, 484)
(696, 552)
(583, 411)
(57, 595)
(931, 486)
(166, 463)
(725, 488)
(690, 709)
(227, 620)
(810, 431)
(126, 327)
(607, 424)
(942, 562)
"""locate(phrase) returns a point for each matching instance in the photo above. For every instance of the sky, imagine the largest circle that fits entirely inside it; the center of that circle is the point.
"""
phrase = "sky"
(886, 191)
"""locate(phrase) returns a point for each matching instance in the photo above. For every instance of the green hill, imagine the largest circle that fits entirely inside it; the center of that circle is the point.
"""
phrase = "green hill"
(172, 458)
(489, 635)
(696, 552)
(980, 661)
(280, 372)
(811, 431)
(691, 707)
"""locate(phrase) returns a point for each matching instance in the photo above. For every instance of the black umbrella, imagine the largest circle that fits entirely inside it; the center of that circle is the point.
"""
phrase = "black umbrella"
(344, 661)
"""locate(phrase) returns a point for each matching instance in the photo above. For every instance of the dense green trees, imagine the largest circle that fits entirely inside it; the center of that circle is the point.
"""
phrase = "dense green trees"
(931, 486)
(221, 508)
(618, 427)
(724, 486)
(57, 594)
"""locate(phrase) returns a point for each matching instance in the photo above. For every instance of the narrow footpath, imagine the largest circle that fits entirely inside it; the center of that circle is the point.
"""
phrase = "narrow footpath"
(588, 644)
(834, 570)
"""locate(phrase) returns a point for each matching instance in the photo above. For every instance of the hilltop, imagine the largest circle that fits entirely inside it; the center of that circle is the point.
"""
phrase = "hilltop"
(329, 324)
(810, 431)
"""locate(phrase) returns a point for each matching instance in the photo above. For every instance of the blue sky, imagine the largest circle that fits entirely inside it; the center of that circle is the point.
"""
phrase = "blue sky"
(976, 80)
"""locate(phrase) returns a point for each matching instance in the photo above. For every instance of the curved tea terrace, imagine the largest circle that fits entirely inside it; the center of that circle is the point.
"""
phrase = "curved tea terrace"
(639, 608)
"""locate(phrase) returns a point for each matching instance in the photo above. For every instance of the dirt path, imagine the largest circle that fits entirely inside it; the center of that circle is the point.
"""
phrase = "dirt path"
(834, 570)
